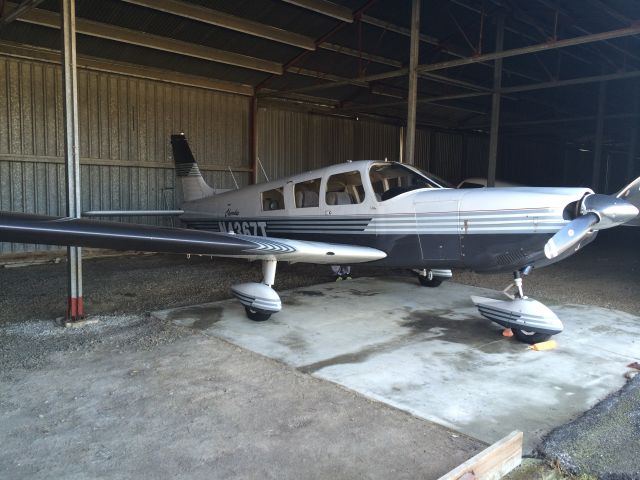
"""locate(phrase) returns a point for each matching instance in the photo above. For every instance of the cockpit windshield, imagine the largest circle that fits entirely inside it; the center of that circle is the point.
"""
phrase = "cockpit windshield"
(391, 179)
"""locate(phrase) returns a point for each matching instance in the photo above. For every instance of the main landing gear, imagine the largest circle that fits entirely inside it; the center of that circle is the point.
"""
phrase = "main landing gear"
(432, 278)
(260, 301)
(531, 321)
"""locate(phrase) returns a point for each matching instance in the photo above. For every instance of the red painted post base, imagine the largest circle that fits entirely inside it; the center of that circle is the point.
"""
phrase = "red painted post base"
(75, 309)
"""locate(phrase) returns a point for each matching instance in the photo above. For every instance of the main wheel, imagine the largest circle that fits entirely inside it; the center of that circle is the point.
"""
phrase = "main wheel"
(529, 337)
(256, 316)
(425, 282)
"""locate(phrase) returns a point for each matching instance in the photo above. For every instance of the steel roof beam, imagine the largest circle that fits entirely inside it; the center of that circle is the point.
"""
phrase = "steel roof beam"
(213, 17)
(225, 20)
(552, 6)
(541, 47)
(325, 8)
(432, 41)
(516, 89)
(96, 64)
(569, 42)
(21, 9)
(352, 52)
(132, 37)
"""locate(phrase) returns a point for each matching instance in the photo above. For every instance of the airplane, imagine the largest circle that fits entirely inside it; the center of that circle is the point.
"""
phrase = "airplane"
(378, 212)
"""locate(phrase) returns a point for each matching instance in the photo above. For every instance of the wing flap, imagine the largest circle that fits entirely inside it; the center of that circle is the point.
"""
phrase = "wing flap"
(45, 230)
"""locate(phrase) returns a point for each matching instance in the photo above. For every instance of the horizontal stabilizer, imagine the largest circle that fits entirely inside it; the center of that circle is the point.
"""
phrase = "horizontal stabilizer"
(45, 230)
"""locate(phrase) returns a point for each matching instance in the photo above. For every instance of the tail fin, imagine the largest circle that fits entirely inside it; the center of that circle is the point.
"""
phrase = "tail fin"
(193, 185)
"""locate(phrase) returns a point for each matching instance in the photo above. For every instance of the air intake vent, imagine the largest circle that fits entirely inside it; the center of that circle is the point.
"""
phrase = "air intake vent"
(510, 257)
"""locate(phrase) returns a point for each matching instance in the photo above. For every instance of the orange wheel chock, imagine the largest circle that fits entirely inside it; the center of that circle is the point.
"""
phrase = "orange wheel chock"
(548, 345)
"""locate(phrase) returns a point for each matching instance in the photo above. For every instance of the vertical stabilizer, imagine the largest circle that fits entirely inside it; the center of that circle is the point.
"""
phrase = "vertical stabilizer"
(193, 185)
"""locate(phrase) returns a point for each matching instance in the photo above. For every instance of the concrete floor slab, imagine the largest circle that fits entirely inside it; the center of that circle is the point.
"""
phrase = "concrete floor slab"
(428, 351)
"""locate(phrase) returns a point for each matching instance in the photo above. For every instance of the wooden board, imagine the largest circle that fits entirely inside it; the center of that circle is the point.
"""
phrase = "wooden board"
(492, 463)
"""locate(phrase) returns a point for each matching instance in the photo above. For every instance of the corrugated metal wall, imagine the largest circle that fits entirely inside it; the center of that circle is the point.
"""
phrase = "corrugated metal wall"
(441, 153)
(125, 125)
(291, 142)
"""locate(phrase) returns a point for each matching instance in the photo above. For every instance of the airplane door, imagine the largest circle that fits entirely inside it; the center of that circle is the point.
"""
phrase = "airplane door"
(437, 224)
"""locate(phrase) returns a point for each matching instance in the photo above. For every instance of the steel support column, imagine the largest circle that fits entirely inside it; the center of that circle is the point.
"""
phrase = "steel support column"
(253, 138)
(597, 155)
(633, 139)
(495, 104)
(75, 309)
(412, 97)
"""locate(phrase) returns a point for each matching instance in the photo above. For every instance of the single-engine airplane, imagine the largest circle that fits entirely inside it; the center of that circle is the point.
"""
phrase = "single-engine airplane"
(383, 213)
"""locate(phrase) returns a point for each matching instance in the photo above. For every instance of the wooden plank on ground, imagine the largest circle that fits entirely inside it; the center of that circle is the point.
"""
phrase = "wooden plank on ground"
(492, 463)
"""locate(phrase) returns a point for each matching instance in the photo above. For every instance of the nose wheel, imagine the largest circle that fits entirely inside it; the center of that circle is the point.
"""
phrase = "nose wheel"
(530, 337)
(531, 321)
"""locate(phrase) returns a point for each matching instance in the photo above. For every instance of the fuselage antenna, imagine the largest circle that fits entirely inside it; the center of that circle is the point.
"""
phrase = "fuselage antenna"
(234, 178)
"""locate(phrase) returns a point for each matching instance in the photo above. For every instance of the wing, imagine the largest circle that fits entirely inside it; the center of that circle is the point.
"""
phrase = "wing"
(39, 229)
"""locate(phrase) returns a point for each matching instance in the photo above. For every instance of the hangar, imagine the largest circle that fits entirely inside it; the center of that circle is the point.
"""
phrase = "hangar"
(541, 93)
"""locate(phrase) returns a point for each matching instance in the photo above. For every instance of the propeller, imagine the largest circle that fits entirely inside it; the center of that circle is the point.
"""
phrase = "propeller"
(597, 212)
(631, 193)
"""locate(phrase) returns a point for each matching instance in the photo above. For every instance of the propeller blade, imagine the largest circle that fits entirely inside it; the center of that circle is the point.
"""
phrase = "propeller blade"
(612, 211)
(631, 193)
(569, 235)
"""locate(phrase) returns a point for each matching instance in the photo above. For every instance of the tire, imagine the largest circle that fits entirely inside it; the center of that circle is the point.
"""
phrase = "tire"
(425, 282)
(256, 316)
(525, 336)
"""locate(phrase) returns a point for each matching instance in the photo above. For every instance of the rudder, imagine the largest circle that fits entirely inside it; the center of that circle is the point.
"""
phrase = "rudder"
(193, 184)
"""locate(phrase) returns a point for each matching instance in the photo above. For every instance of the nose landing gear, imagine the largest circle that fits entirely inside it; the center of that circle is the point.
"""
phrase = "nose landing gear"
(531, 321)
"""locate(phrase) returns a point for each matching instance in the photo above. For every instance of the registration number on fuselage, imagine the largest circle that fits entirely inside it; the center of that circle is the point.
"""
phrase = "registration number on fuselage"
(244, 228)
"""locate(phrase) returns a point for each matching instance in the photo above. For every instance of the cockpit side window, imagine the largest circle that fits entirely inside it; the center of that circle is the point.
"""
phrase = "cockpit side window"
(272, 200)
(391, 179)
(345, 189)
(307, 193)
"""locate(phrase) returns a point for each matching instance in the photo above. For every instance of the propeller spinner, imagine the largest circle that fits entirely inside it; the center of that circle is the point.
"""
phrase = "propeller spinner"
(597, 212)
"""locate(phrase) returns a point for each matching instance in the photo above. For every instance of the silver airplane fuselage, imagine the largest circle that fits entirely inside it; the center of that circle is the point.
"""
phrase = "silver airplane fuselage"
(424, 225)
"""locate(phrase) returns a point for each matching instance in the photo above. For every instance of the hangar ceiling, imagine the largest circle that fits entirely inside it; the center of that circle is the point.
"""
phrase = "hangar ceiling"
(349, 57)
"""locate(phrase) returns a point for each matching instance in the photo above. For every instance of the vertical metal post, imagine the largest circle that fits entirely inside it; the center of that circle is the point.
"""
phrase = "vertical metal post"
(401, 153)
(75, 310)
(597, 155)
(633, 139)
(412, 97)
(253, 138)
(495, 104)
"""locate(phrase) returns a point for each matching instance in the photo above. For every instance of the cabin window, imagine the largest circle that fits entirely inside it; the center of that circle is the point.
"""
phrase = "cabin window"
(307, 193)
(272, 200)
(345, 189)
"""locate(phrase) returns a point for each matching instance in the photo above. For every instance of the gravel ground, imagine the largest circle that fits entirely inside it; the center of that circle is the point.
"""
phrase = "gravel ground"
(604, 442)
(28, 345)
(136, 397)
